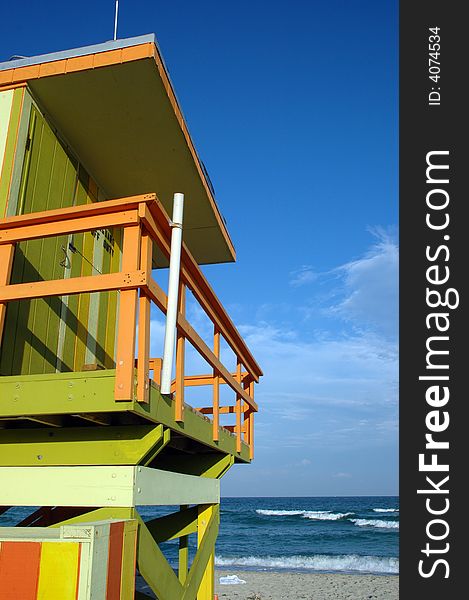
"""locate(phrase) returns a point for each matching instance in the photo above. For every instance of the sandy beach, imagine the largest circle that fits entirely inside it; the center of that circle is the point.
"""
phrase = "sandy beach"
(308, 586)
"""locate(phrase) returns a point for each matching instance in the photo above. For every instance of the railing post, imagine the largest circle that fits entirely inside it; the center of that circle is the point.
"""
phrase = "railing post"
(183, 562)
(171, 313)
(180, 359)
(207, 512)
(125, 355)
(144, 312)
(246, 413)
(216, 386)
(7, 252)
(250, 424)
(238, 408)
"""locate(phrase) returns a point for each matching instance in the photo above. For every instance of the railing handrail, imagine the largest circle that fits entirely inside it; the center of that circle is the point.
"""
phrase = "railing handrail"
(144, 220)
(15, 229)
(71, 212)
(204, 293)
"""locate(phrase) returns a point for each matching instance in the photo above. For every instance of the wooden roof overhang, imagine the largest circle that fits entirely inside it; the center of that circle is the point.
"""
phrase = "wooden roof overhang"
(114, 104)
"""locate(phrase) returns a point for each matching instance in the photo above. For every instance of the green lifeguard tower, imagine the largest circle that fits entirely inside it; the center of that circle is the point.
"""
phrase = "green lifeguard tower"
(94, 157)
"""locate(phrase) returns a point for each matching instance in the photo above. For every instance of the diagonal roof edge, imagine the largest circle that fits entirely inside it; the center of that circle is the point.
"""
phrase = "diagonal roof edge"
(74, 52)
(23, 66)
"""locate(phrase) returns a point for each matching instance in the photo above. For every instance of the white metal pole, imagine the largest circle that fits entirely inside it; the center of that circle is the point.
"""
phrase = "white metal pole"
(115, 19)
(173, 289)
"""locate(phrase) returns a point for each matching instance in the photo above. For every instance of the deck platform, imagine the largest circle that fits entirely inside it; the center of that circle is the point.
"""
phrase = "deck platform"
(44, 418)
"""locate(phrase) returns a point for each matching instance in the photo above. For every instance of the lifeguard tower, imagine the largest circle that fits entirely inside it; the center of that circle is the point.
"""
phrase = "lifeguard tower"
(94, 156)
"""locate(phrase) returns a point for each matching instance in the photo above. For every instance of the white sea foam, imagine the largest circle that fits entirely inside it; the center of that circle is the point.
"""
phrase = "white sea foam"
(376, 523)
(317, 562)
(325, 515)
(386, 510)
(279, 513)
(319, 515)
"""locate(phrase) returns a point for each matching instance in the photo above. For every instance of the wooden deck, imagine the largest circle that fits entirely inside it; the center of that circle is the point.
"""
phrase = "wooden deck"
(66, 408)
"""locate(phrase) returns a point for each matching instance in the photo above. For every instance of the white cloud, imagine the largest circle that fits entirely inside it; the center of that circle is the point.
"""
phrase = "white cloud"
(330, 382)
(315, 371)
(329, 389)
(333, 389)
(324, 393)
(370, 287)
(302, 276)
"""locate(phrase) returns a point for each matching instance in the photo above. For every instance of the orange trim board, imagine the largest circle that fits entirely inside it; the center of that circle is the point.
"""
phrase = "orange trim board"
(77, 63)
(114, 570)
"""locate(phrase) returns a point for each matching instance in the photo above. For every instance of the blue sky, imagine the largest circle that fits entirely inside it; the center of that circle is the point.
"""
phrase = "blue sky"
(293, 109)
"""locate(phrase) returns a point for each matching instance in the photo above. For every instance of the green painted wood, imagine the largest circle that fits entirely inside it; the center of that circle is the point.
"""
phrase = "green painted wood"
(205, 549)
(71, 328)
(61, 393)
(48, 183)
(183, 556)
(56, 333)
(154, 567)
(85, 270)
(161, 410)
(65, 174)
(121, 445)
(17, 313)
(74, 393)
(152, 454)
(99, 514)
(204, 465)
(113, 312)
(103, 311)
(173, 526)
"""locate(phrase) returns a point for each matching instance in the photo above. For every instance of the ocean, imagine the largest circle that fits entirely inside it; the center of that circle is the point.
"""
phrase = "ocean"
(326, 534)
(323, 534)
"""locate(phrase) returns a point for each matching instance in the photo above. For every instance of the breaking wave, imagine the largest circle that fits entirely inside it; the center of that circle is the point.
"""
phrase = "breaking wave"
(325, 515)
(279, 513)
(376, 523)
(317, 562)
(386, 510)
(319, 515)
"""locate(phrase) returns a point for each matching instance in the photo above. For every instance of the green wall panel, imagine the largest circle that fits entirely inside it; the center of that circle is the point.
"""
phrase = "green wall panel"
(60, 333)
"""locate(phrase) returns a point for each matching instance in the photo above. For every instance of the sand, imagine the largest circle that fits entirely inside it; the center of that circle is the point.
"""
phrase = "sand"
(307, 586)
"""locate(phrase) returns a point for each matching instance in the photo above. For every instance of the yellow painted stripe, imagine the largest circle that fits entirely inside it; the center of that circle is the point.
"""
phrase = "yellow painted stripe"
(128, 560)
(6, 102)
(58, 575)
(8, 153)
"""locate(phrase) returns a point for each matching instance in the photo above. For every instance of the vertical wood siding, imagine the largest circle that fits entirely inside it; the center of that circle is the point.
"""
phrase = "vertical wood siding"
(61, 333)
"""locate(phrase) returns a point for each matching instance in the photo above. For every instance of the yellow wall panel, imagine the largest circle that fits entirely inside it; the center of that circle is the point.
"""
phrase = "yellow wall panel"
(128, 560)
(58, 574)
(11, 102)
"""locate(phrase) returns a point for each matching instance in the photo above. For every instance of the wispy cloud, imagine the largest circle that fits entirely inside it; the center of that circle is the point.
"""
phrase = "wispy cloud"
(337, 387)
(362, 292)
(302, 276)
(324, 393)
(370, 287)
(328, 392)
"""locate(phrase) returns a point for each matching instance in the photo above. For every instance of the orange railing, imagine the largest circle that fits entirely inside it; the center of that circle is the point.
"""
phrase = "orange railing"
(145, 223)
